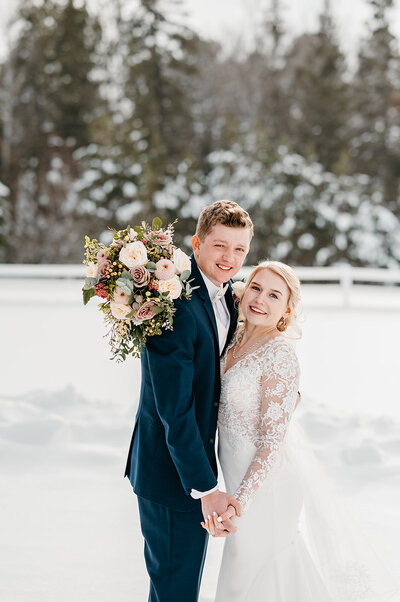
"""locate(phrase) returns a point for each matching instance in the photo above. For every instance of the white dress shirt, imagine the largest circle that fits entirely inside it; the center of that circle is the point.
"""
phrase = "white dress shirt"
(221, 313)
(222, 318)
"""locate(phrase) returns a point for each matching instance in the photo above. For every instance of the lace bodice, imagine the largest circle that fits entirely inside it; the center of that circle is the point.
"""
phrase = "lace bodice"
(258, 396)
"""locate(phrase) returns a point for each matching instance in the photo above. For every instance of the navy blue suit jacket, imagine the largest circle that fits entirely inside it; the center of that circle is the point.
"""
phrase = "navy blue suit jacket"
(172, 449)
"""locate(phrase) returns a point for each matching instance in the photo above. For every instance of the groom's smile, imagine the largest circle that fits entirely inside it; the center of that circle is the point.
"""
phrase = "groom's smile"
(222, 252)
(225, 268)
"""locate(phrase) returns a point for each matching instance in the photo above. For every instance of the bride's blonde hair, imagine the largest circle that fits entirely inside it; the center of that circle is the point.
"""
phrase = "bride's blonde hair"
(293, 283)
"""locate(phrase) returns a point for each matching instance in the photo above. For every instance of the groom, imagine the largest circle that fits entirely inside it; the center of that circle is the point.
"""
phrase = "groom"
(171, 462)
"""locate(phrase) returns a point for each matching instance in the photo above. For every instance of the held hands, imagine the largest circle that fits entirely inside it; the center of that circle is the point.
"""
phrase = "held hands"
(215, 525)
(219, 511)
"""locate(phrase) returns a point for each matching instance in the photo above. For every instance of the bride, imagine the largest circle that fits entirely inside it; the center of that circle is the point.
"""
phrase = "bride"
(292, 545)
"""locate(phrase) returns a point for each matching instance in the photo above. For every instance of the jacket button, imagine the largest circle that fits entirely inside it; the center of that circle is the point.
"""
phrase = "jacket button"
(215, 404)
(212, 441)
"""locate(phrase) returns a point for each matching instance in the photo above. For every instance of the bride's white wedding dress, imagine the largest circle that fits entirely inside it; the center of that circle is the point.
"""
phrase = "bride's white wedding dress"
(291, 544)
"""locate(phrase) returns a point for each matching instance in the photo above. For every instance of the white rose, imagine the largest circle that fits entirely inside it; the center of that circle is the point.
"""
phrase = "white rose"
(91, 270)
(173, 286)
(181, 261)
(238, 288)
(120, 310)
(133, 255)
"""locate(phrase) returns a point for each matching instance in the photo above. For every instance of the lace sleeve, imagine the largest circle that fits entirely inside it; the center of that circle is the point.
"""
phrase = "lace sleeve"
(279, 385)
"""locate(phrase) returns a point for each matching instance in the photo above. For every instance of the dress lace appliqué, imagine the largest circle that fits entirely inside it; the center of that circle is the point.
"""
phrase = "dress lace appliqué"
(258, 396)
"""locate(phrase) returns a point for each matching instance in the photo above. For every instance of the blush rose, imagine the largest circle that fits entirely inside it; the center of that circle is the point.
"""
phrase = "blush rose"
(145, 311)
(140, 276)
(120, 296)
(102, 255)
(133, 255)
(165, 269)
(173, 286)
(92, 270)
(103, 267)
(162, 239)
(120, 310)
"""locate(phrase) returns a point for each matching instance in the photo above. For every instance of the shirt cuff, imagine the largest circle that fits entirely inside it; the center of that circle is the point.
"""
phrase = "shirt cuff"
(197, 495)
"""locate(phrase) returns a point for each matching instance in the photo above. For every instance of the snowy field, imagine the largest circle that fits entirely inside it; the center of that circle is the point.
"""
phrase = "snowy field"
(69, 522)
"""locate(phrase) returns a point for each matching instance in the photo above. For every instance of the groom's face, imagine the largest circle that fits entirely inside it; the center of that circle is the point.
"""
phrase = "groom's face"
(222, 252)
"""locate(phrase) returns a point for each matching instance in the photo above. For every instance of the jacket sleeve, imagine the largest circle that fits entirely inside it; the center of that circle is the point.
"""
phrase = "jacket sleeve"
(171, 359)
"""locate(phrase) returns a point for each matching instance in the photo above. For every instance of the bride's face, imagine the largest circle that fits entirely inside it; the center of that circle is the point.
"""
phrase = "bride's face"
(265, 300)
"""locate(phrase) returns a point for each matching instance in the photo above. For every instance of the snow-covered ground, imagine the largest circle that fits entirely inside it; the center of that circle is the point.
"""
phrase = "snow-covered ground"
(69, 522)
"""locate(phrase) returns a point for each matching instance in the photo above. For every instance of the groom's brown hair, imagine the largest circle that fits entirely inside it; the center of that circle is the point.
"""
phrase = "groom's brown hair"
(226, 213)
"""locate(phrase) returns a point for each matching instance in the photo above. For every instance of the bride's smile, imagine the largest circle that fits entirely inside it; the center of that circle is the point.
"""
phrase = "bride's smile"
(264, 302)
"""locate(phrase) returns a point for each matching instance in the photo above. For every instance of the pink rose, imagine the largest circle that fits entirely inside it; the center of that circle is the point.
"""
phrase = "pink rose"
(162, 239)
(144, 312)
(102, 255)
(165, 269)
(103, 267)
(120, 296)
(140, 276)
(100, 290)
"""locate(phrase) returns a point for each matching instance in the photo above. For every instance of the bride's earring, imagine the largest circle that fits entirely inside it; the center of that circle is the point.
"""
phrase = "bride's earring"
(282, 324)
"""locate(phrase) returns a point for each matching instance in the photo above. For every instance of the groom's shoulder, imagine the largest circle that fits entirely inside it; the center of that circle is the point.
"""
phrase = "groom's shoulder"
(187, 310)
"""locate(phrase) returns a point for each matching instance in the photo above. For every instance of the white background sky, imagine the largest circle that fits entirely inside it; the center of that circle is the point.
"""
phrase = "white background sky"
(228, 19)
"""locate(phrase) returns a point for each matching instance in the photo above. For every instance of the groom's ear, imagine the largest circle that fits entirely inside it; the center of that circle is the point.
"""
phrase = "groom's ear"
(195, 244)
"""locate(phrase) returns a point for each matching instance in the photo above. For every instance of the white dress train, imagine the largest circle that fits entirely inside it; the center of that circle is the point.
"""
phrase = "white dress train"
(292, 544)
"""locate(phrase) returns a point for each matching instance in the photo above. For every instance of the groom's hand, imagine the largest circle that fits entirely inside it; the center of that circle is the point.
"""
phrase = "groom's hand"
(217, 502)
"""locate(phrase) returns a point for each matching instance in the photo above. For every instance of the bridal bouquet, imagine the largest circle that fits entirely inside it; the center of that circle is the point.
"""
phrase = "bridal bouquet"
(138, 277)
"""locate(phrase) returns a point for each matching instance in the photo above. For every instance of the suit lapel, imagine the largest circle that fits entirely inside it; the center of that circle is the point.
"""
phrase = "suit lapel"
(233, 312)
(205, 298)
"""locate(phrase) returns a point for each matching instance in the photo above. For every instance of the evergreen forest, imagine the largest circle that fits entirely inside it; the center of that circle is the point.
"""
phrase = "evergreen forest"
(115, 116)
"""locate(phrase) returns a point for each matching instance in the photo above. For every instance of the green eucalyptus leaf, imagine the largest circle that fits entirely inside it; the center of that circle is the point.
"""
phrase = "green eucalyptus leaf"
(88, 294)
(185, 275)
(124, 288)
(126, 274)
(157, 309)
(124, 283)
(151, 266)
(89, 283)
(156, 224)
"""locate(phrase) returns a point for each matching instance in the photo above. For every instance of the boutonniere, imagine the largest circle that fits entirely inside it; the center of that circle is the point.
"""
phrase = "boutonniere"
(238, 290)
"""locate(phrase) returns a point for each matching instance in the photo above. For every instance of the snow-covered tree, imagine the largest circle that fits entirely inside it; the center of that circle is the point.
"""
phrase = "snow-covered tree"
(51, 105)
(303, 214)
(158, 66)
(375, 123)
(314, 79)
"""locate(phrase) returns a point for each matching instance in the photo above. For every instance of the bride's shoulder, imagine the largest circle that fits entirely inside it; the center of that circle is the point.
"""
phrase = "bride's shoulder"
(281, 348)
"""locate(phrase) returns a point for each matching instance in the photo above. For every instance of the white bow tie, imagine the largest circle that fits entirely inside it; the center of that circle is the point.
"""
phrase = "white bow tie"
(220, 293)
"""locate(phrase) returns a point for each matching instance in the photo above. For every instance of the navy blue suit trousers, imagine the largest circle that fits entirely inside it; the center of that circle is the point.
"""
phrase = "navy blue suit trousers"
(175, 550)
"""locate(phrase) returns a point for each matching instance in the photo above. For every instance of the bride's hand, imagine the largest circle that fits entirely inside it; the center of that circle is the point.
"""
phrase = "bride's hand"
(213, 527)
(229, 515)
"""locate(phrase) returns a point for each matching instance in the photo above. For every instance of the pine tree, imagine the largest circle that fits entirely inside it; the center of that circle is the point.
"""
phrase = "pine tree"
(274, 105)
(376, 116)
(319, 107)
(159, 63)
(51, 105)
